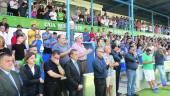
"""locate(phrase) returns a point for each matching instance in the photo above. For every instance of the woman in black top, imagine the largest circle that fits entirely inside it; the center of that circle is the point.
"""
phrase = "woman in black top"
(31, 77)
(40, 12)
(2, 46)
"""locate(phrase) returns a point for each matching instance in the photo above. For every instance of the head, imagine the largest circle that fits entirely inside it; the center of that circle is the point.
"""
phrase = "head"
(115, 47)
(55, 35)
(19, 27)
(20, 38)
(55, 55)
(6, 61)
(74, 54)
(2, 28)
(33, 27)
(61, 39)
(107, 49)
(37, 37)
(148, 51)
(100, 52)
(2, 41)
(131, 49)
(30, 58)
(79, 39)
(33, 49)
(100, 42)
(4, 20)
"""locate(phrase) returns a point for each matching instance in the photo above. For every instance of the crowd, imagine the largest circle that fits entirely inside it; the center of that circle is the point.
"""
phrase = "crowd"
(54, 13)
(63, 65)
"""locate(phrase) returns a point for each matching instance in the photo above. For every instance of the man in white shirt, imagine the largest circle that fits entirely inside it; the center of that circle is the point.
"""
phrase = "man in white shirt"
(3, 34)
(14, 7)
(53, 15)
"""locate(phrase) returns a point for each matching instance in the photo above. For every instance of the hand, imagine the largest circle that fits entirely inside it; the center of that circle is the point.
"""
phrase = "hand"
(107, 62)
(40, 95)
(61, 70)
(89, 51)
(41, 80)
(116, 64)
(80, 87)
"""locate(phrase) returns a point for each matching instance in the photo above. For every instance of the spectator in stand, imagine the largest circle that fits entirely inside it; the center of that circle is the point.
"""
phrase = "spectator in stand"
(32, 33)
(53, 74)
(22, 10)
(3, 33)
(81, 18)
(14, 7)
(74, 75)
(3, 6)
(5, 23)
(40, 12)
(53, 39)
(100, 72)
(31, 76)
(131, 65)
(72, 30)
(50, 6)
(82, 53)
(92, 35)
(38, 43)
(17, 32)
(110, 80)
(19, 49)
(2, 46)
(53, 15)
(46, 14)
(159, 62)
(34, 12)
(60, 15)
(148, 67)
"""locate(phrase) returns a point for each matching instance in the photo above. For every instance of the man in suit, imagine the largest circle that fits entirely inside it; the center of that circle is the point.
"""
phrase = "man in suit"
(73, 75)
(10, 81)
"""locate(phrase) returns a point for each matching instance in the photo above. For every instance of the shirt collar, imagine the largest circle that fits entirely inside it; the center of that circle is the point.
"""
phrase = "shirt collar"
(6, 72)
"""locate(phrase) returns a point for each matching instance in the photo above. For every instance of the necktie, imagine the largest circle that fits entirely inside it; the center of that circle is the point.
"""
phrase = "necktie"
(77, 67)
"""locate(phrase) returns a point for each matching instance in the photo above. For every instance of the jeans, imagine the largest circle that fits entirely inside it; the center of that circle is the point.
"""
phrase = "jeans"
(162, 73)
(131, 76)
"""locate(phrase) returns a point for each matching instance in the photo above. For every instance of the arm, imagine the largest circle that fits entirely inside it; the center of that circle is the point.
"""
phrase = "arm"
(130, 58)
(53, 74)
(98, 67)
(65, 53)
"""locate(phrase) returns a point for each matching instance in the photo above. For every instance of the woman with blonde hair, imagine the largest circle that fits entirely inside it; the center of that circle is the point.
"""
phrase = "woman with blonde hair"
(2, 45)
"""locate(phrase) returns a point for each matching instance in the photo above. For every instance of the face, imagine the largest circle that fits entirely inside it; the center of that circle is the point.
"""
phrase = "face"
(101, 43)
(2, 28)
(6, 63)
(100, 53)
(108, 49)
(4, 20)
(33, 50)
(62, 39)
(74, 55)
(20, 39)
(56, 56)
(79, 39)
(31, 60)
(149, 52)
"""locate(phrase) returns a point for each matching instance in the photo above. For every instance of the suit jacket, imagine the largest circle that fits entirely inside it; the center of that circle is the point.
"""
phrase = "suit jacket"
(7, 88)
(31, 83)
(73, 76)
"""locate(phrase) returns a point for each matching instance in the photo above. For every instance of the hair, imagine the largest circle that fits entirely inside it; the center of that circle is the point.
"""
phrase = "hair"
(31, 46)
(55, 52)
(148, 50)
(72, 51)
(59, 36)
(3, 40)
(19, 35)
(28, 55)
(2, 54)
(4, 18)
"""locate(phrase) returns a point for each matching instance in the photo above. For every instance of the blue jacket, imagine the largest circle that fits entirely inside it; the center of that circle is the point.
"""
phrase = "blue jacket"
(100, 68)
(130, 61)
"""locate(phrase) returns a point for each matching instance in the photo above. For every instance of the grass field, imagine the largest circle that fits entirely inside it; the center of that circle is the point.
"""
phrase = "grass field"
(164, 91)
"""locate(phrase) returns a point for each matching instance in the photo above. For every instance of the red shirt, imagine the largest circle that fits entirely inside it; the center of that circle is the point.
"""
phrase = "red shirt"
(92, 35)
(14, 40)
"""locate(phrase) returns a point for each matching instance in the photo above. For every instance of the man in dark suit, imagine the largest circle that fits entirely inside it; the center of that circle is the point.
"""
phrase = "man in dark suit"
(10, 82)
(73, 75)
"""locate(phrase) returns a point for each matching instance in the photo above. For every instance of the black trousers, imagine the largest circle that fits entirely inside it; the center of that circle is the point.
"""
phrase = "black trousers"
(52, 89)
(117, 78)
(75, 93)
(100, 86)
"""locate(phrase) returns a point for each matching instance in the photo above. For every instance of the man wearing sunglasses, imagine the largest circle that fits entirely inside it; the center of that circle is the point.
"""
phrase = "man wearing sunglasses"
(100, 72)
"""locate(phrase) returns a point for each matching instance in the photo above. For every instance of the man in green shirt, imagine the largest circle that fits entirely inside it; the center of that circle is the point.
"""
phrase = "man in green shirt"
(148, 66)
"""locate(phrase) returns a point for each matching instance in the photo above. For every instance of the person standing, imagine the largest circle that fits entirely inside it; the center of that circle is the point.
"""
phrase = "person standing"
(11, 84)
(82, 52)
(159, 62)
(117, 57)
(31, 76)
(147, 61)
(110, 80)
(131, 66)
(74, 75)
(100, 73)
(53, 74)
(32, 33)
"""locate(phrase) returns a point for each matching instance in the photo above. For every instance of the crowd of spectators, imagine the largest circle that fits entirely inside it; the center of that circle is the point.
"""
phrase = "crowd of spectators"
(52, 12)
